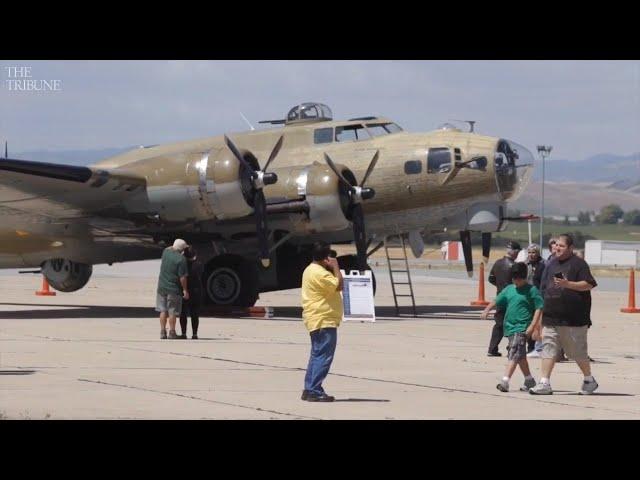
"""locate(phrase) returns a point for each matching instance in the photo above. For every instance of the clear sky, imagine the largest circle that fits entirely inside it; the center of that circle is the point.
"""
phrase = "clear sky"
(582, 108)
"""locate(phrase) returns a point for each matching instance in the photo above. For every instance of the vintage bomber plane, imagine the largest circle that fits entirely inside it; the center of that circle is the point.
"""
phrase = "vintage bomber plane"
(253, 203)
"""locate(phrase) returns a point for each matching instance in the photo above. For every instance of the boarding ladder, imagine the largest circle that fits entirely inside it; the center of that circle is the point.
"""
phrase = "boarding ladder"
(396, 252)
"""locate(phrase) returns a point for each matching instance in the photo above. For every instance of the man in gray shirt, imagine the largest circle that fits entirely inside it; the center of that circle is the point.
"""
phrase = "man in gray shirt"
(172, 287)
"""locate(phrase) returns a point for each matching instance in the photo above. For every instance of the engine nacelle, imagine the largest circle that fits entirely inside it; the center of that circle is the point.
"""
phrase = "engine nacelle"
(203, 186)
(325, 198)
(65, 275)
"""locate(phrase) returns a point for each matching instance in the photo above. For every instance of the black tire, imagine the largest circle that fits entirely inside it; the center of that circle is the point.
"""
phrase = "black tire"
(349, 262)
(230, 281)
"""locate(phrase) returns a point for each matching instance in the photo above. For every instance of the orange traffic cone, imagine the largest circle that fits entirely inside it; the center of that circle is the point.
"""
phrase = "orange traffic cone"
(481, 302)
(632, 294)
(45, 292)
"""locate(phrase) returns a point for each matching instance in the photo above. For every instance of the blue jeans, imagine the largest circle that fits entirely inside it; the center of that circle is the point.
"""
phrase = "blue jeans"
(323, 347)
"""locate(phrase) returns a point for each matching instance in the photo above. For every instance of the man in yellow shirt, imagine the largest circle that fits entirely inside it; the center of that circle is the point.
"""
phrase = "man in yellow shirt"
(322, 314)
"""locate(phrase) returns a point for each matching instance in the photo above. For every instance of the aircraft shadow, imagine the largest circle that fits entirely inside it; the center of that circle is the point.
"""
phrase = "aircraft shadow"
(17, 372)
(454, 312)
(75, 311)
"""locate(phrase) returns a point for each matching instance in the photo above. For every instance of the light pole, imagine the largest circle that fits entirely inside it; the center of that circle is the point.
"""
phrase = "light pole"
(543, 151)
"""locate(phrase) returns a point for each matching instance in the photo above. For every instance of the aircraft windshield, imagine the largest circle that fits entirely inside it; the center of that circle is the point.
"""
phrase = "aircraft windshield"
(379, 129)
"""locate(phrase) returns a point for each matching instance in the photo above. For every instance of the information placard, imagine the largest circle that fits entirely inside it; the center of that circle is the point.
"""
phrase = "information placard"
(357, 296)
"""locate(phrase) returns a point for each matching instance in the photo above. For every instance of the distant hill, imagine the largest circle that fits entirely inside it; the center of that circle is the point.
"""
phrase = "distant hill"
(604, 167)
(569, 198)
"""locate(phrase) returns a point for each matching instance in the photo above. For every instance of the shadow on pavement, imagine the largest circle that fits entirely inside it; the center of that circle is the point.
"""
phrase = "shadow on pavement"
(49, 311)
(361, 400)
(454, 312)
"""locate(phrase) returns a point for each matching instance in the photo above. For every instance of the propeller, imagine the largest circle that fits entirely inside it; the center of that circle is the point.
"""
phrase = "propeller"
(459, 165)
(358, 193)
(465, 239)
(486, 246)
(259, 179)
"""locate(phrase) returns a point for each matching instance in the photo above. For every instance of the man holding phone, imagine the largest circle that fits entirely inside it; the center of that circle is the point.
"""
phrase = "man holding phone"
(566, 316)
(322, 313)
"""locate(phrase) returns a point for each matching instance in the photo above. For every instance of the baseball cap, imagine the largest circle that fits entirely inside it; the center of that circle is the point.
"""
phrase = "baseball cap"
(513, 245)
(179, 244)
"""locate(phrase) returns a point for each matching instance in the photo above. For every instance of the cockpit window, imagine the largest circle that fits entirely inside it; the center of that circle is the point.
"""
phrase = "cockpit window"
(392, 127)
(323, 135)
(351, 133)
(378, 129)
(438, 160)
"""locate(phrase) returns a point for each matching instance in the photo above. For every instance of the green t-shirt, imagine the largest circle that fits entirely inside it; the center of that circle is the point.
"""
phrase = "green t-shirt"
(173, 266)
(520, 304)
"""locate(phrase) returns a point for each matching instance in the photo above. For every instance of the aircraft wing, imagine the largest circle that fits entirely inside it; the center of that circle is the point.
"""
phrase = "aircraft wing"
(45, 191)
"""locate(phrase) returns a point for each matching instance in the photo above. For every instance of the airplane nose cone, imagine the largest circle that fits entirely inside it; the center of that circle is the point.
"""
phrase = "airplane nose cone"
(514, 168)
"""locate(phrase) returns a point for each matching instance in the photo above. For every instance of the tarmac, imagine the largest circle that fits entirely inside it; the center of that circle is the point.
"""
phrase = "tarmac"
(96, 354)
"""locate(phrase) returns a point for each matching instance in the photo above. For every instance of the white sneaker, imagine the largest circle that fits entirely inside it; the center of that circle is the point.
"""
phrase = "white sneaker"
(588, 387)
(503, 386)
(533, 354)
(541, 389)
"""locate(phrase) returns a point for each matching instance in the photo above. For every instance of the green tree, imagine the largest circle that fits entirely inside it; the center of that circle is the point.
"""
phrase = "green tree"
(610, 214)
(584, 218)
(566, 220)
(632, 217)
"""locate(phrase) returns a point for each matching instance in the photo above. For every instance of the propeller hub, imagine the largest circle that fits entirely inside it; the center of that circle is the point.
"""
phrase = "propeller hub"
(368, 193)
(269, 178)
(260, 179)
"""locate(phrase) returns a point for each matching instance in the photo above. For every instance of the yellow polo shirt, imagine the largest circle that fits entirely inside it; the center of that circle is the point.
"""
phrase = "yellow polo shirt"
(321, 302)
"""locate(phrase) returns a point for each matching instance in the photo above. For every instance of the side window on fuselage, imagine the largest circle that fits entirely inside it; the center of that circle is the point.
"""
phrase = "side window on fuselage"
(438, 160)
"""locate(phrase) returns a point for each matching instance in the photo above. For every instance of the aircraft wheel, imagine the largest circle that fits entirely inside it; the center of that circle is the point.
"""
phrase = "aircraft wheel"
(230, 281)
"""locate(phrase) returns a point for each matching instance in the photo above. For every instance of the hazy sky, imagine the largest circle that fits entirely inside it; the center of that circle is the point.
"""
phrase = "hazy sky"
(582, 108)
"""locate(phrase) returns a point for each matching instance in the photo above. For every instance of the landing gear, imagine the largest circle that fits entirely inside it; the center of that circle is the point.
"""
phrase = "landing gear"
(350, 262)
(230, 280)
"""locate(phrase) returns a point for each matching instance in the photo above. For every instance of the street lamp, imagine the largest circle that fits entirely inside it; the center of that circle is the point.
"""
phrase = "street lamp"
(543, 151)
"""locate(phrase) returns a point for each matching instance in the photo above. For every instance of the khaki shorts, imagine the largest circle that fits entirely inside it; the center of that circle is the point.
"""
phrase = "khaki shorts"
(171, 303)
(573, 340)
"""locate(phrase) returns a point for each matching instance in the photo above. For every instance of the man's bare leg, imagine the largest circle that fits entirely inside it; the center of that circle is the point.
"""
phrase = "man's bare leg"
(163, 320)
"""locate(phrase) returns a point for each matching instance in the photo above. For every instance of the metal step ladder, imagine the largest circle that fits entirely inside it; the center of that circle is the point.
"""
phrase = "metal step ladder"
(399, 254)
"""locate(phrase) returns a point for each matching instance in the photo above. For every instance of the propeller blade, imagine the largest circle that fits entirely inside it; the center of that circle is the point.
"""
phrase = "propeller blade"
(486, 246)
(274, 152)
(465, 238)
(451, 175)
(260, 211)
(239, 156)
(372, 164)
(360, 237)
(335, 170)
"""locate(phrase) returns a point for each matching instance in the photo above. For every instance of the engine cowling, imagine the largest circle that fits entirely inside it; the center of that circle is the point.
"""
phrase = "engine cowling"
(203, 186)
(65, 275)
(315, 191)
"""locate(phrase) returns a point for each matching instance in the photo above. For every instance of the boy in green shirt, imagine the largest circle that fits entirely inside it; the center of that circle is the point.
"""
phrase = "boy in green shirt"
(522, 302)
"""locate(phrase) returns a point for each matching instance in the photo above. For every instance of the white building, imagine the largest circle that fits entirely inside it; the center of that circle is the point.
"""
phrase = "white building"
(607, 252)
